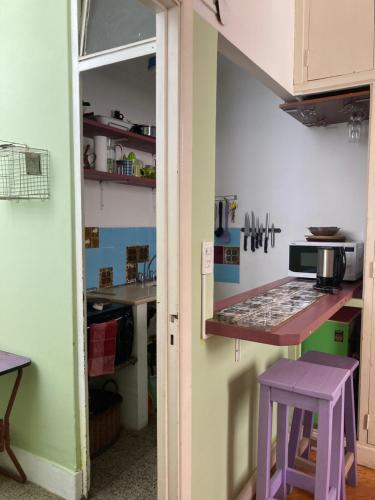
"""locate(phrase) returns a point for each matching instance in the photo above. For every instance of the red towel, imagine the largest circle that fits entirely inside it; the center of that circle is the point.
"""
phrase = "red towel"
(102, 348)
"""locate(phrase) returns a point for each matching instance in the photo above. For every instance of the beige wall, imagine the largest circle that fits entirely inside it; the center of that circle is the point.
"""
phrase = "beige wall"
(263, 31)
(224, 393)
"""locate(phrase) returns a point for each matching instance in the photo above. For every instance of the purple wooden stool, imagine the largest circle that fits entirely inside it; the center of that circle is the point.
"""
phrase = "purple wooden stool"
(318, 389)
(349, 469)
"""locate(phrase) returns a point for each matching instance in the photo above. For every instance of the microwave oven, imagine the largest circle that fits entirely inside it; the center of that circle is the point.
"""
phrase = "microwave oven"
(303, 258)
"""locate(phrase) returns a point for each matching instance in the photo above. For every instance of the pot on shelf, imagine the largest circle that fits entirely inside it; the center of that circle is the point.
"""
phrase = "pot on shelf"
(148, 130)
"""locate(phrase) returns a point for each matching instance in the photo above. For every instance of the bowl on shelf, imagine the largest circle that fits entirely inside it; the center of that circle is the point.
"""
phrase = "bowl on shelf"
(324, 230)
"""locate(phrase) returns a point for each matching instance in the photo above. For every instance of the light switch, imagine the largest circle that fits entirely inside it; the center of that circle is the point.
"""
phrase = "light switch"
(207, 257)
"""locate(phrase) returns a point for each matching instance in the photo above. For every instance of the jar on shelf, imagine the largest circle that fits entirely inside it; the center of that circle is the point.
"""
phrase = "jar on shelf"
(112, 148)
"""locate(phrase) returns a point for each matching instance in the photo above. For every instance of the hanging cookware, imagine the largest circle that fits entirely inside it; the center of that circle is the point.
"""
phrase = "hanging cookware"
(219, 231)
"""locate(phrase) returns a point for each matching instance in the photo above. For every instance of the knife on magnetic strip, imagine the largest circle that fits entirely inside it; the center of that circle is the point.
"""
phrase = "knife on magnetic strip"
(266, 233)
(246, 231)
(253, 232)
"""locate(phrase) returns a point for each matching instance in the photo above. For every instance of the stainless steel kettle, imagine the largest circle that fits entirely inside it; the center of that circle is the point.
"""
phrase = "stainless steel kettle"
(330, 268)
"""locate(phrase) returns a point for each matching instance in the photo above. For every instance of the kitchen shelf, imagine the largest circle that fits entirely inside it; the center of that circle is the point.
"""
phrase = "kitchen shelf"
(327, 109)
(128, 139)
(95, 175)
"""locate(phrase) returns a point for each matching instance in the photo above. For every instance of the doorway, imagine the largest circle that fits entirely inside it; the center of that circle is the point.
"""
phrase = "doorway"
(119, 201)
(167, 77)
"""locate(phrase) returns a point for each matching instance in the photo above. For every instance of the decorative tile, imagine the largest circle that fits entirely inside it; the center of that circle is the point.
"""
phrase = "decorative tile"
(143, 253)
(105, 277)
(131, 255)
(231, 255)
(92, 239)
(131, 272)
(271, 308)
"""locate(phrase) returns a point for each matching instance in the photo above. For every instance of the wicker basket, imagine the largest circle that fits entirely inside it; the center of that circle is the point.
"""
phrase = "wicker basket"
(105, 418)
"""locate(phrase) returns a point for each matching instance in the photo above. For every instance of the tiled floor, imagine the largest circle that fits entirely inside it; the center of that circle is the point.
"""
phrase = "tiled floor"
(126, 471)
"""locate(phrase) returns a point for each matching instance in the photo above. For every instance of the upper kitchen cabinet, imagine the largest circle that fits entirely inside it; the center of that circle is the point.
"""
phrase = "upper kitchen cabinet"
(334, 44)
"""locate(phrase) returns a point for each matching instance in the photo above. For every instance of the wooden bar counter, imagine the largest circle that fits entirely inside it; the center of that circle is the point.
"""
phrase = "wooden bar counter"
(291, 331)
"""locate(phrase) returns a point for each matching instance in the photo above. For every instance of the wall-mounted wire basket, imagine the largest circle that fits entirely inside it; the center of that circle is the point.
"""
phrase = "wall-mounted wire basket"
(24, 172)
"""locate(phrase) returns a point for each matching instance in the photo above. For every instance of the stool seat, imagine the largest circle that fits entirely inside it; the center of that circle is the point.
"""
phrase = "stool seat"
(305, 378)
(322, 358)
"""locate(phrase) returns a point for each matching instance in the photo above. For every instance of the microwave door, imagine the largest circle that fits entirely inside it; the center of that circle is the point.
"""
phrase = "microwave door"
(303, 261)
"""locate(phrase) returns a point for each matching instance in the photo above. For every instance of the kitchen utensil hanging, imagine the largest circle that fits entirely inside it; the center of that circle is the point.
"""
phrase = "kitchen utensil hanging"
(225, 238)
(233, 205)
(226, 205)
(256, 230)
(219, 231)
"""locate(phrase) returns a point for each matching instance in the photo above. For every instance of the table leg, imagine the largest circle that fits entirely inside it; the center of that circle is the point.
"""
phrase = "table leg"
(5, 435)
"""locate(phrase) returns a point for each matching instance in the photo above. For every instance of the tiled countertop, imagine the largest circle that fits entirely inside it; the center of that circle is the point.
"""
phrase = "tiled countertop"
(134, 294)
(283, 312)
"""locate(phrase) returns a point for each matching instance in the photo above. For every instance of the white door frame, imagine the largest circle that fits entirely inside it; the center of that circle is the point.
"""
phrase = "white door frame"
(168, 179)
(173, 209)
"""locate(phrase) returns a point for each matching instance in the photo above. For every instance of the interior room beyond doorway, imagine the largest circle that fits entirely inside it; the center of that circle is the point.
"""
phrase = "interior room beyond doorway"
(120, 272)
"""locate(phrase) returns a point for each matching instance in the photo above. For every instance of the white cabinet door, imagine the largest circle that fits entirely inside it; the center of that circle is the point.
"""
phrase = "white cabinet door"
(340, 37)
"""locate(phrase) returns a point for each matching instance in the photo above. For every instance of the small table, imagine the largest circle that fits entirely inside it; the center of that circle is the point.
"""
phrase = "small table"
(9, 363)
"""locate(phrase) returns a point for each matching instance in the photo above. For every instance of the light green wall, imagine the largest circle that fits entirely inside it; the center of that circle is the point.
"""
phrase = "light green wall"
(225, 393)
(36, 249)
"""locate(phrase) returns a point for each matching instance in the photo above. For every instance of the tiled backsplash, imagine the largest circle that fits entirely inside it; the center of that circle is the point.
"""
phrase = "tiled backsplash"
(92, 237)
(105, 277)
(116, 244)
(227, 258)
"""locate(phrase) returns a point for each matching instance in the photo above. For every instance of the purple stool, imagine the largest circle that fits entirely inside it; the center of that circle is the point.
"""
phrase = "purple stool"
(349, 469)
(313, 388)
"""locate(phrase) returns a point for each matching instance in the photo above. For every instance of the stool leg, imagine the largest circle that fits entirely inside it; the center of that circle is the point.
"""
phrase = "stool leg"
(264, 444)
(295, 432)
(282, 447)
(307, 431)
(322, 477)
(337, 451)
(350, 430)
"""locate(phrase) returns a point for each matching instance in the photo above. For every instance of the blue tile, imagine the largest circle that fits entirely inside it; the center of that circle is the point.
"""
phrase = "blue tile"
(112, 251)
(227, 273)
(235, 238)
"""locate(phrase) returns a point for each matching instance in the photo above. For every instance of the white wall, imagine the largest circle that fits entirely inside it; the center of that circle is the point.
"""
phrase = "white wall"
(303, 176)
(130, 88)
(262, 30)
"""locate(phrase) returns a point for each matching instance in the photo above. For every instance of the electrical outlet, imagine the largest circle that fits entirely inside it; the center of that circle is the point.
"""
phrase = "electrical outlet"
(207, 257)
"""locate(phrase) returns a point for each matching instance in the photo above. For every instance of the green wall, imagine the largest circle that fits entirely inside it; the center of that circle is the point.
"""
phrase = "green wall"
(224, 393)
(36, 253)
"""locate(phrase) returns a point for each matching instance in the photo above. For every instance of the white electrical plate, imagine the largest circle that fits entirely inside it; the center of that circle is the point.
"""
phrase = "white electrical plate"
(207, 257)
